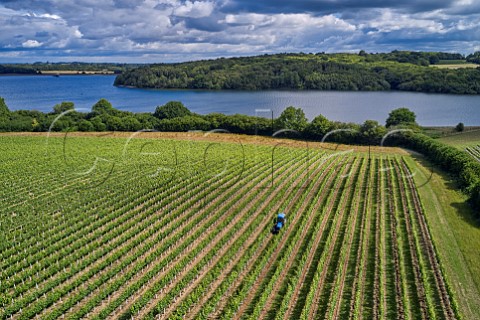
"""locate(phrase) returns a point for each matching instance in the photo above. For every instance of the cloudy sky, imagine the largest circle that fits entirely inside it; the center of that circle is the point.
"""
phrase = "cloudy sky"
(169, 30)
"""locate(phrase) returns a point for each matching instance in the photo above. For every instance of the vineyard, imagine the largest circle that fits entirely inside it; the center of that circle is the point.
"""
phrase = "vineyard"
(474, 152)
(110, 228)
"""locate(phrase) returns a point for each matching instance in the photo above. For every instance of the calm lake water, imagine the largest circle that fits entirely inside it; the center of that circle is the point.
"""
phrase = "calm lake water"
(43, 92)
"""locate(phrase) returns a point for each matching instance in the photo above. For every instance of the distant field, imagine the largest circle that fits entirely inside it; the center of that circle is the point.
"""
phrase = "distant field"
(118, 228)
(72, 72)
(447, 131)
(455, 65)
(463, 139)
(452, 62)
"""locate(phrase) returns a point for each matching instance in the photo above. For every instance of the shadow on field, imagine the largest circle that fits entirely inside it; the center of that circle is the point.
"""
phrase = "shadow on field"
(467, 213)
(463, 209)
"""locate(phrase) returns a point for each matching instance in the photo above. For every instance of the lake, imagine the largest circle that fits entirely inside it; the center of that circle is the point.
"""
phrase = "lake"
(43, 92)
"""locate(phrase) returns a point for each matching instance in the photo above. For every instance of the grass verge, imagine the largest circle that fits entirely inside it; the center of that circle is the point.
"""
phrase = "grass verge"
(456, 235)
(462, 140)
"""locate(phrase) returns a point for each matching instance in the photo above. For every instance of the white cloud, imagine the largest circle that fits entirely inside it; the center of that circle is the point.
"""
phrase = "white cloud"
(77, 33)
(248, 19)
(196, 9)
(388, 21)
(31, 44)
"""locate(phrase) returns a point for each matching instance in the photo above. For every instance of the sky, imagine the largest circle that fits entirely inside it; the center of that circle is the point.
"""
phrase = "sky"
(148, 31)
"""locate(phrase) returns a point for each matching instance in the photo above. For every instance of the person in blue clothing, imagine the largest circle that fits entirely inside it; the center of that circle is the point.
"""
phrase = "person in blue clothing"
(278, 223)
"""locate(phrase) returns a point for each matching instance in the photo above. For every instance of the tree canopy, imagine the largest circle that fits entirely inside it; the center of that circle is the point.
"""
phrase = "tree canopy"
(62, 107)
(170, 110)
(292, 118)
(474, 57)
(103, 106)
(319, 126)
(401, 116)
(398, 70)
(371, 132)
(4, 111)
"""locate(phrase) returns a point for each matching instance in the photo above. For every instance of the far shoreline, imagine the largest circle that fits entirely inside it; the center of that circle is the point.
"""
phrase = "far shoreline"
(63, 73)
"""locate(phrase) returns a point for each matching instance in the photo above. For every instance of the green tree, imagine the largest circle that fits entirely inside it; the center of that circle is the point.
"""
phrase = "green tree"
(460, 127)
(180, 124)
(362, 53)
(474, 58)
(131, 124)
(433, 59)
(401, 116)
(35, 124)
(62, 107)
(147, 120)
(292, 118)
(170, 110)
(319, 126)
(61, 125)
(217, 120)
(103, 106)
(85, 125)
(372, 132)
(4, 111)
(98, 125)
(114, 123)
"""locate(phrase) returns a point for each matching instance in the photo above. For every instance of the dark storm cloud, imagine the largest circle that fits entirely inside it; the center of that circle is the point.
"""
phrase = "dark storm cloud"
(208, 24)
(128, 3)
(332, 6)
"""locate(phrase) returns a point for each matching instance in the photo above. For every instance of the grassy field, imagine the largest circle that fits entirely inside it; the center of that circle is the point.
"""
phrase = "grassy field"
(454, 64)
(463, 140)
(178, 227)
(443, 62)
(455, 233)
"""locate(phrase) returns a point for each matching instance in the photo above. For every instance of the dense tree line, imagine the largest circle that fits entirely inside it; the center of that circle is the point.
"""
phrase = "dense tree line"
(413, 57)
(458, 163)
(174, 116)
(398, 70)
(474, 58)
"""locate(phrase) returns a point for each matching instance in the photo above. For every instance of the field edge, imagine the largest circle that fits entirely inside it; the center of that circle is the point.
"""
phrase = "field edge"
(449, 216)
